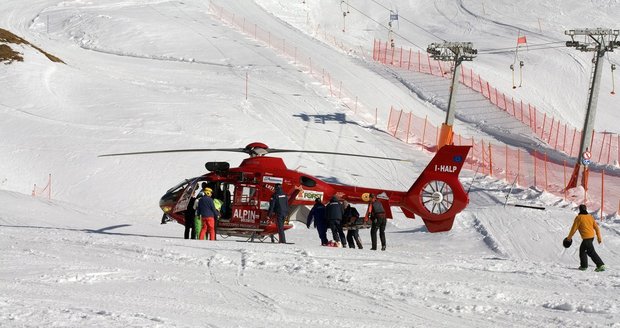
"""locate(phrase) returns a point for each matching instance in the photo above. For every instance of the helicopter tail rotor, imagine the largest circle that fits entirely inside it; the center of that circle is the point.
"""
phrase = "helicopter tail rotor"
(437, 195)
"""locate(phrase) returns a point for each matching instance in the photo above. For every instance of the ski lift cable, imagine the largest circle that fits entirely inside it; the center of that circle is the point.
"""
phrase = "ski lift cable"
(387, 28)
(499, 51)
(529, 47)
(411, 22)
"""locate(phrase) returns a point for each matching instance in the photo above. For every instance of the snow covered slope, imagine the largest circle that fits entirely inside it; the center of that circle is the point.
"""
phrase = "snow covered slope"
(157, 74)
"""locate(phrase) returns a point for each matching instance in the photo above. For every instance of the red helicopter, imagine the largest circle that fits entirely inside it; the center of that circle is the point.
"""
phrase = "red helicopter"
(436, 196)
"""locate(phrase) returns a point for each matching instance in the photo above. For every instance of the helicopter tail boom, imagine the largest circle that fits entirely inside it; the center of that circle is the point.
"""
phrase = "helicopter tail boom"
(437, 195)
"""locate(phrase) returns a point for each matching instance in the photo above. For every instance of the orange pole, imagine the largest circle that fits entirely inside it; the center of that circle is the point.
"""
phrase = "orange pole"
(424, 130)
(609, 149)
(542, 131)
(535, 164)
(390, 118)
(409, 61)
(602, 192)
(482, 151)
(518, 165)
(564, 167)
(408, 127)
(601, 152)
(564, 141)
(506, 146)
(573, 143)
(551, 131)
(490, 160)
(546, 181)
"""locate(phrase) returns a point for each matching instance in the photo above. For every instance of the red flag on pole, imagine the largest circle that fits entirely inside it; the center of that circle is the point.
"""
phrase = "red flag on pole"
(521, 39)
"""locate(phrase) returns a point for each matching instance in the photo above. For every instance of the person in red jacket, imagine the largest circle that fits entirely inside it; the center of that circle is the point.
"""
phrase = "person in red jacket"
(585, 223)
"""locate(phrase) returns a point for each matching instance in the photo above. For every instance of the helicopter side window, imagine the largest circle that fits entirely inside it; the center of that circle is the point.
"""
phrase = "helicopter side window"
(246, 196)
(307, 182)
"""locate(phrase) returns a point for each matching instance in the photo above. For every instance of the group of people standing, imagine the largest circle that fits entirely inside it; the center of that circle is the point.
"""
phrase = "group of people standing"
(337, 215)
(201, 215)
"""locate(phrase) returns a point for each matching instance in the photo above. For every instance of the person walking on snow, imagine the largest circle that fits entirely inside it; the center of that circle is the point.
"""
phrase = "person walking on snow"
(317, 213)
(377, 215)
(279, 205)
(585, 223)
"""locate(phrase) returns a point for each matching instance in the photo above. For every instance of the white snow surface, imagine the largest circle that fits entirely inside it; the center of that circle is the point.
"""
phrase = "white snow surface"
(156, 74)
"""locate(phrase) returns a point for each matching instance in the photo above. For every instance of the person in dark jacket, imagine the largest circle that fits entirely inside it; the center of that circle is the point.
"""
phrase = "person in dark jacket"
(189, 218)
(208, 213)
(349, 219)
(377, 216)
(279, 205)
(317, 214)
(585, 223)
(334, 219)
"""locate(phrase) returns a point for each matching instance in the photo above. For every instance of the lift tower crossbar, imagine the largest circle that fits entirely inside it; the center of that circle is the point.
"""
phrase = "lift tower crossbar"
(455, 52)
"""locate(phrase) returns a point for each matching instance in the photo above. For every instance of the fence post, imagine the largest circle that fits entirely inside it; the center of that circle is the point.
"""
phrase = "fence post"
(430, 67)
(482, 148)
(489, 92)
(518, 165)
(424, 130)
(376, 114)
(506, 147)
(602, 145)
(557, 134)
(419, 61)
(535, 166)
(408, 127)
(551, 131)
(490, 160)
(565, 189)
(529, 108)
(564, 141)
(409, 61)
(609, 149)
(542, 130)
(398, 122)
(602, 192)
(546, 181)
(573, 143)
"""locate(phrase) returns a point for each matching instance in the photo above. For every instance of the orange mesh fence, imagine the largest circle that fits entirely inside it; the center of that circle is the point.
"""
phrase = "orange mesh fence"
(513, 164)
(558, 135)
(289, 49)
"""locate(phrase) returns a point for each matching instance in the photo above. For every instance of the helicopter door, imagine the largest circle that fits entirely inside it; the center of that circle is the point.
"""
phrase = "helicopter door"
(181, 205)
(246, 209)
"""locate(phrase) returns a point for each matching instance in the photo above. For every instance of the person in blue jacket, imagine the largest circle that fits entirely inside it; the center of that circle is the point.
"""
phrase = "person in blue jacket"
(279, 205)
(334, 211)
(317, 214)
(208, 214)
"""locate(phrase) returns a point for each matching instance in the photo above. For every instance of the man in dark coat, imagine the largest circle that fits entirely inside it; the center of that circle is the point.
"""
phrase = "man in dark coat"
(334, 219)
(377, 215)
(189, 218)
(279, 205)
(317, 213)
(350, 217)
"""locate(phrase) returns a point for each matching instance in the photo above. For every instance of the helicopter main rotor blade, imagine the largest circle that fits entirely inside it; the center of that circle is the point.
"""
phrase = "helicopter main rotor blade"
(240, 150)
(272, 150)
